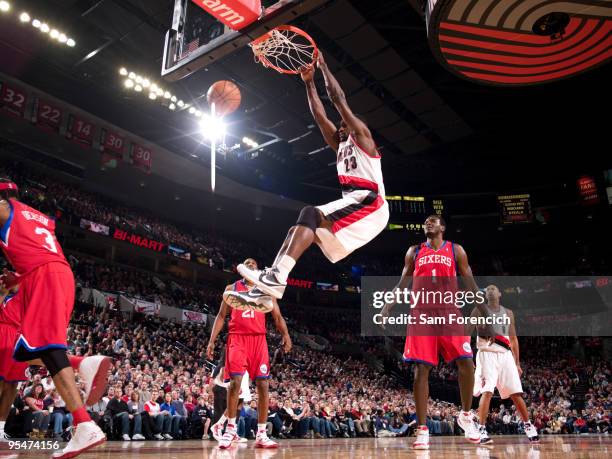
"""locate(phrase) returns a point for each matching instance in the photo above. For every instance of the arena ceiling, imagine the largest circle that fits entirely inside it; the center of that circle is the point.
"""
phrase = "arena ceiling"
(438, 133)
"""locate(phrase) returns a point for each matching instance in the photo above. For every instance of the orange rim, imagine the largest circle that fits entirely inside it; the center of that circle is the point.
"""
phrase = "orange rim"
(263, 60)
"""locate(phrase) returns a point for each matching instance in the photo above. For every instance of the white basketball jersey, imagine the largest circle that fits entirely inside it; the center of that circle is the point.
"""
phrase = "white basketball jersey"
(358, 170)
(502, 334)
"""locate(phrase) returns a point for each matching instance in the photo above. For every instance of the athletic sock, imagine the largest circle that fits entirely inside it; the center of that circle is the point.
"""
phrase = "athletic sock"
(221, 420)
(261, 429)
(2, 423)
(80, 415)
(284, 267)
(75, 361)
(231, 425)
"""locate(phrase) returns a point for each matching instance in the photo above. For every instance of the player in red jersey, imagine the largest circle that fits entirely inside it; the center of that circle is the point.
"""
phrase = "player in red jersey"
(11, 372)
(46, 294)
(434, 261)
(247, 350)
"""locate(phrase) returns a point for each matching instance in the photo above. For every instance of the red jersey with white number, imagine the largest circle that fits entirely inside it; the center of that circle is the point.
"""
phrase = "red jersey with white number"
(28, 239)
(358, 169)
(435, 270)
(247, 322)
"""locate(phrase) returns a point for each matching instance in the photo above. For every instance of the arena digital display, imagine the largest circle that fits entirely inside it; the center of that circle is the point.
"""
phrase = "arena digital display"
(257, 229)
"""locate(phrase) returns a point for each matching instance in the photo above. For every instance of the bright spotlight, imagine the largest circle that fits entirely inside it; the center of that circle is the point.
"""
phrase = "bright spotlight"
(152, 96)
(172, 107)
(132, 76)
(192, 110)
(137, 88)
(128, 83)
(198, 113)
(173, 98)
(180, 103)
(24, 17)
(70, 42)
(4, 6)
(44, 27)
(123, 71)
(138, 79)
(54, 33)
(167, 95)
(62, 38)
(36, 23)
(146, 83)
(212, 127)
(159, 92)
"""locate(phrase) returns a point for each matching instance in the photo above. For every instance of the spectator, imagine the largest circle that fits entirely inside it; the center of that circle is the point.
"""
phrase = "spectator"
(37, 417)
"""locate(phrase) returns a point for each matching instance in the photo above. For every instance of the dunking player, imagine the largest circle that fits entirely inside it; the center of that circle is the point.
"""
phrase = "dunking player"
(497, 365)
(46, 299)
(430, 262)
(341, 226)
(11, 372)
(247, 350)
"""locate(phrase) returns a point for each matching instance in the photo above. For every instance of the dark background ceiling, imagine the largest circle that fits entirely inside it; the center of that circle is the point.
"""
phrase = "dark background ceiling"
(438, 133)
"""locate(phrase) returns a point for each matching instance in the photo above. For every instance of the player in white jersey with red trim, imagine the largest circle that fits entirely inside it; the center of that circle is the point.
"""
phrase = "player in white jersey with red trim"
(497, 365)
(341, 226)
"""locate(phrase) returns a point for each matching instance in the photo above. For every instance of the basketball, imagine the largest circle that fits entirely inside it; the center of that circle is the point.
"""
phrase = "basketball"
(225, 95)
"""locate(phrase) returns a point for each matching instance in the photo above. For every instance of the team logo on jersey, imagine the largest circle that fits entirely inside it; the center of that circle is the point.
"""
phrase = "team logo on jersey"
(435, 259)
(467, 347)
(263, 369)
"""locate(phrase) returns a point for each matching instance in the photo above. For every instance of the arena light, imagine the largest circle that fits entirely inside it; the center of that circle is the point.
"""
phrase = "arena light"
(24, 17)
(62, 38)
(249, 142)
(128, 83)
(70, 42)
(172, 107)
(132, 76)
(146, 83)
(180, 103)
(192, 110)
(173, 98)
(36, 23)
(5, 6)
(167, 95)
(137, 88)
(54, 33)
(123, 71)
(44, 27)
(138, 79)
(212, 127)
(152, 96)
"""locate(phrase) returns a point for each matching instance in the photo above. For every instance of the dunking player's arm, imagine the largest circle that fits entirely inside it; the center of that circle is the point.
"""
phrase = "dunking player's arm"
(318, 110)
(217, 327)
(336, 94)
(281, 326)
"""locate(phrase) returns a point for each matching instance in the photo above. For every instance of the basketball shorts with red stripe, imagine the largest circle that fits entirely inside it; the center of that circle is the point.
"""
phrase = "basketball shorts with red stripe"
(426, 349)
(10, 370)
(247, 353)
(357, 218)
(47, 296)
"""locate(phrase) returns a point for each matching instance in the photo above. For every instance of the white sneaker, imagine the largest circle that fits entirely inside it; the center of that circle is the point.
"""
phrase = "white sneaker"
(86, 435)
(126, 437)
(531, 432)
(265, 279)
(253, 299)
(138, 437)
(238, 439)
(217, 431)
(94, 372)
(484, 436)
(226, 440)
(168, 437)
(263, 441)
(422, 438)
(158, 437)
(466, 422)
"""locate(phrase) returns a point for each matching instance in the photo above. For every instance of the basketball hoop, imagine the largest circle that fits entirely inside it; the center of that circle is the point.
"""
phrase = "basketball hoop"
(286, 49)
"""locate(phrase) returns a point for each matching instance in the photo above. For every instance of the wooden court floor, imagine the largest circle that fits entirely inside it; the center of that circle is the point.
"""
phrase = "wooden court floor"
(583, 446)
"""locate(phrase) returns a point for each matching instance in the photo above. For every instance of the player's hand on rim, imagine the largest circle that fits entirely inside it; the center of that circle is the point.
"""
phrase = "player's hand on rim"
(307, 73)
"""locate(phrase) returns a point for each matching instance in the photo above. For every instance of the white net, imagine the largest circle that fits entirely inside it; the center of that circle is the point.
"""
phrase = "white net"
(285, 50)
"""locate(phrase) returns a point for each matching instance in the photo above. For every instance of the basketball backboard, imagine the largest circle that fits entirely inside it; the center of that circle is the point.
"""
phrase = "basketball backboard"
(197, 39)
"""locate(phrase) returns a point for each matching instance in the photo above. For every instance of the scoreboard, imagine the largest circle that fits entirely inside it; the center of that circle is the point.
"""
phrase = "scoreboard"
(515, 208)
(409, 212)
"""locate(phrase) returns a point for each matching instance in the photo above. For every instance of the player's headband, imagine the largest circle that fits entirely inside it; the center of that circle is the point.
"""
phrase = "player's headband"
(8, 186)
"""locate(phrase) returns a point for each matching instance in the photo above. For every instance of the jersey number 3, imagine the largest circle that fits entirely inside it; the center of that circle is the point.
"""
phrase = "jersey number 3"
(49, 244)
